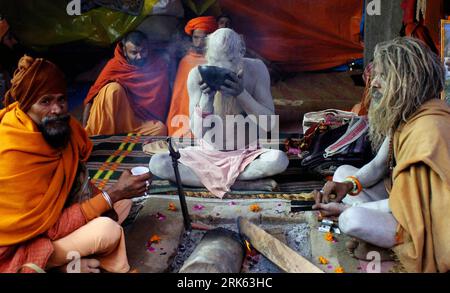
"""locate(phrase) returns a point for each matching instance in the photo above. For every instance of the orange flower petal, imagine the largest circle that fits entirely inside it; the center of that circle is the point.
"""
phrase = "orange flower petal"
(172, 207)
(255, 208)
(155, 239)
(339, 270)
(323, 261)
(329, 237)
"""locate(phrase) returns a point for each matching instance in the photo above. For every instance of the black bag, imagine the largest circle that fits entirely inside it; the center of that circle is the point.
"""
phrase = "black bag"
(357, 153)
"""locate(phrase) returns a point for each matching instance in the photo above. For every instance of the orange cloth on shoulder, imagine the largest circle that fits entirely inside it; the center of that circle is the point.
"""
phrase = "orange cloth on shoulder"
(179, 104)
(147, 86)
(35, 179)
(204, 23)
(420, 196)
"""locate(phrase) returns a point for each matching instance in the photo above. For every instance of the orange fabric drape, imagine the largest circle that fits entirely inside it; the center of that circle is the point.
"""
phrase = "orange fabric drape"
(420, 196)
(147, 86)
(300, 35)
(30, 204)
(39, 249)
(428, 27)
(111, 113)
(179, 104)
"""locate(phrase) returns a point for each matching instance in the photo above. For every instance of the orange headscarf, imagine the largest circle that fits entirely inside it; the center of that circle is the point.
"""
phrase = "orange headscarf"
(32, 79)
(4, 28)
(204, 23)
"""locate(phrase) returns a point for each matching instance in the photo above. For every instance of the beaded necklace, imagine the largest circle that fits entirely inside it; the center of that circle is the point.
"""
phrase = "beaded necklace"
(390, 163)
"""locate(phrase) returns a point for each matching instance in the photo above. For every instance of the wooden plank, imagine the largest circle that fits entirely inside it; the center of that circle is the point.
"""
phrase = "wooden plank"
(276, 251)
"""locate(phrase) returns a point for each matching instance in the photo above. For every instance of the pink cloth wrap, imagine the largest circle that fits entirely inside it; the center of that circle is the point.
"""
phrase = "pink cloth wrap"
(217, 170)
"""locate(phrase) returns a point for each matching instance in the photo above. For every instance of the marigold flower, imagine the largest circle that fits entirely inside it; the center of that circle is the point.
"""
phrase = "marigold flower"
(255, 208)
(339, 270)
(329, 237)
(172, 207)
(323, 261)
(155, 239)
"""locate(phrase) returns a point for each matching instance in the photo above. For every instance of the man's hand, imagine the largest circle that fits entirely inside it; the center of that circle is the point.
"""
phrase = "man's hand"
(129, 186)
(206, 90)
(328, 209)
(233, 87)
(333, 191)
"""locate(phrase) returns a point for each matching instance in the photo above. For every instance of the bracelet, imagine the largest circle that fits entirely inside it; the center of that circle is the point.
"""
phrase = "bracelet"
(107, 198)
(357, 186)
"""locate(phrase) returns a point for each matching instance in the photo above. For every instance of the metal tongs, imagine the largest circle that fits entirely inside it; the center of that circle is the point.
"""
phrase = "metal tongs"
(175, 155)
(301, 205)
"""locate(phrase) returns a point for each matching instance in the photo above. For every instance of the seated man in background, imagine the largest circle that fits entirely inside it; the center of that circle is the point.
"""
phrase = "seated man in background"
(198, 28)
(410, 122)
(131, 94)
(224, 21)
(50, 215)
(247, 93)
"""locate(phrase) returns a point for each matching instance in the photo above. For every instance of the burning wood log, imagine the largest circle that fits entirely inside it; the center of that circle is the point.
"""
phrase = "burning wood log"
(275, 250)
(220, 251)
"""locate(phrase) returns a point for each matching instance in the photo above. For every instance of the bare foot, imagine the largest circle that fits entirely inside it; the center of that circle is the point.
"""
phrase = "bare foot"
(360, 250)
(87, 265)
(259, 185)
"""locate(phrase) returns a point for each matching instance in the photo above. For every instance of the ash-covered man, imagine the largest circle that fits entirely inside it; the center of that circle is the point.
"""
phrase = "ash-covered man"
(409, 125)
(198, 29)
(50, 214)
(222, 159)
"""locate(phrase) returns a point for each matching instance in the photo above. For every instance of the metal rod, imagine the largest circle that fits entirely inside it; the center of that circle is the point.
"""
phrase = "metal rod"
(175, 155)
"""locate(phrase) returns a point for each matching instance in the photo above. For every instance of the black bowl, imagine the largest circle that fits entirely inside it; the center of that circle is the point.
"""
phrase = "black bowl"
(214, 76)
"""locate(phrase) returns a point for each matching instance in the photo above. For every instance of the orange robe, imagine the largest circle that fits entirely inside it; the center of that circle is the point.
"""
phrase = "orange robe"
(420, 196)
(146, 89)
(179, 104)
(35, 181)
(112, 113)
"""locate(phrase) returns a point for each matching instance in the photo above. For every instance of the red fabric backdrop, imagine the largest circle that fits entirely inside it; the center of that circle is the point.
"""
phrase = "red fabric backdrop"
(300, 35)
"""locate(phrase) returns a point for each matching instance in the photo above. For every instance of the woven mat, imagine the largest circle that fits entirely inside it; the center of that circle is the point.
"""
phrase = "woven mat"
(114, 154)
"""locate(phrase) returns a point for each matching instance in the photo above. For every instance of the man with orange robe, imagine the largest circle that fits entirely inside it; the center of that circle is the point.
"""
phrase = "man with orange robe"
(178, 118)
(132, 92)
(50, 215)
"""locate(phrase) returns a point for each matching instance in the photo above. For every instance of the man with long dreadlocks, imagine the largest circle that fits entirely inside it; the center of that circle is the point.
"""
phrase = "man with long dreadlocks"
(409, 126)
